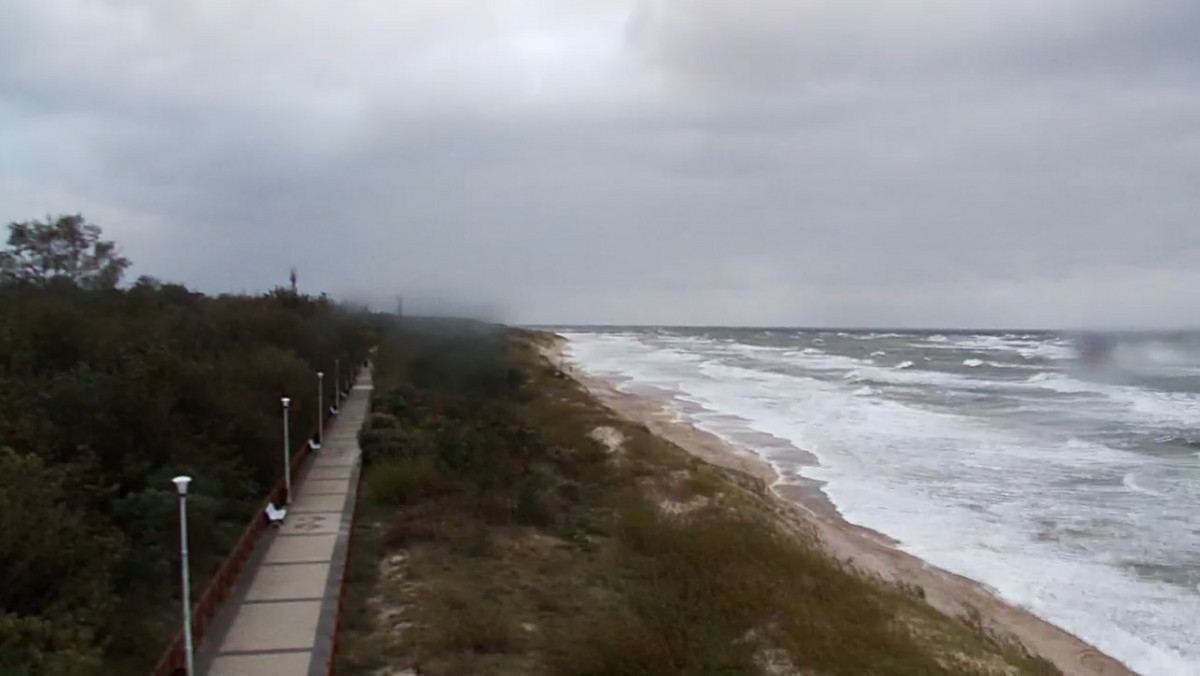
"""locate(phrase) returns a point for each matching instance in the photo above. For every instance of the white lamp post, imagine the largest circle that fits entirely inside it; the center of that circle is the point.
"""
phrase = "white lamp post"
(181, 486)
(287, 450)
(320, 410)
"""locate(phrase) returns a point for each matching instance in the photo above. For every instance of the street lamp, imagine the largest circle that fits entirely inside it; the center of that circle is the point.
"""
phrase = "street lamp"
(320, 410)
(287, 450)
(337, 384)
(181, 486)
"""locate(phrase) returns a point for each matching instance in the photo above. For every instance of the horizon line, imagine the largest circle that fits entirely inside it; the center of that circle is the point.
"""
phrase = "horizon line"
(861, 329)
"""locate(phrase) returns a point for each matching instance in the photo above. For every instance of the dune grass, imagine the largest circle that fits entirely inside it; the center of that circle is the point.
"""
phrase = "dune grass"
(500, 536)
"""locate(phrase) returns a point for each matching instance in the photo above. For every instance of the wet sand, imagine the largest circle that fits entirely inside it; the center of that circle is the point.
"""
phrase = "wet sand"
(806, 508)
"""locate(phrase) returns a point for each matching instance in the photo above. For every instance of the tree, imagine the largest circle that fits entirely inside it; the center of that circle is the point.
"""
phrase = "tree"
(55, 558)
(67, 248)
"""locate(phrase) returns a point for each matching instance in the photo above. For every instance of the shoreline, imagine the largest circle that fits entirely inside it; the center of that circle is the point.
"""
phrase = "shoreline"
(805, 506)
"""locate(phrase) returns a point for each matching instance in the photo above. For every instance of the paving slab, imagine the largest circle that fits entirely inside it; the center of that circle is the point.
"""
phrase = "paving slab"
(271, 664)
(296, 581)
(322, 502)
(325, 523)
(290, 625)
(327, 472)
(324, 487)
(301, 550)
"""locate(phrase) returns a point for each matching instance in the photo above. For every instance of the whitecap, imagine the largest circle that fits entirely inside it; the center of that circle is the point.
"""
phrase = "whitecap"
(973, 363)
(1130, 482)
(905, 365)
(1002, 365)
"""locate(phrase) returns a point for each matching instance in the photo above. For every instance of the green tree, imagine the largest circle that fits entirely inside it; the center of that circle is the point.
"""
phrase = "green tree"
(67, 248)
(55, 560)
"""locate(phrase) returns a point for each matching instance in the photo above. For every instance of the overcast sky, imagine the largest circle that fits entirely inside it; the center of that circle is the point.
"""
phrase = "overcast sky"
(765, 162)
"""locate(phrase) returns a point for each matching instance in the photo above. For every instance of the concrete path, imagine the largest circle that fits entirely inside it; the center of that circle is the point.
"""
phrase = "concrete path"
(279, 620)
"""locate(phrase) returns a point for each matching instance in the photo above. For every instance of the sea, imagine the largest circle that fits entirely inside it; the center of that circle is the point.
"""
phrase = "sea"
(1061, 471)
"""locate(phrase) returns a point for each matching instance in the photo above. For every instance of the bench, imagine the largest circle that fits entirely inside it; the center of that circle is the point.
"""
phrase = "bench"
(274, 514)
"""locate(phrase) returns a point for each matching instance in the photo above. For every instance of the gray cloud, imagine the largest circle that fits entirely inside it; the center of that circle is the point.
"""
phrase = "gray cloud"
(697, 161)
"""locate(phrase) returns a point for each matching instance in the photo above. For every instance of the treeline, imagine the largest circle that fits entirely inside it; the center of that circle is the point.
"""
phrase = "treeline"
(105, 394)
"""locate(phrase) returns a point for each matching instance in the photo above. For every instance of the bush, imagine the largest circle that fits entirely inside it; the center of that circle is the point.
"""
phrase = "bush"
(381, 421)
(403, 481)
(380, 443)
(478, 628)
(535, 506)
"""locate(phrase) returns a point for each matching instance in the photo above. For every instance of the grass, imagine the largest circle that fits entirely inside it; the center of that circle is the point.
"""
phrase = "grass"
(499, 537)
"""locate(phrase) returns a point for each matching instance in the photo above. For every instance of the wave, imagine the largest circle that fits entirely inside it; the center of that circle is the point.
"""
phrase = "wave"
(1130, 482)
(1002, 365)
(1128, 404)
(920, 476)
(1179, 438)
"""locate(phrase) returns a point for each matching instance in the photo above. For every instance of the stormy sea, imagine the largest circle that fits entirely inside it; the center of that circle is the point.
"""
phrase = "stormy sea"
(1061, 471)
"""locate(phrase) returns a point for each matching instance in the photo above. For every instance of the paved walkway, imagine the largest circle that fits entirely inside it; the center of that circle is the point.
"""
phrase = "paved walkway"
(279, 620)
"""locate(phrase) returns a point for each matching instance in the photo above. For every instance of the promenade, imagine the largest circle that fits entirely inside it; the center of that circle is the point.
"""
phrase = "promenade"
(279, 620)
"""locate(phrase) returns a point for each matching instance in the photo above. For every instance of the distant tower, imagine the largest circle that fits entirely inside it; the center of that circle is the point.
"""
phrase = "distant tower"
(399, 306)
(292, 279)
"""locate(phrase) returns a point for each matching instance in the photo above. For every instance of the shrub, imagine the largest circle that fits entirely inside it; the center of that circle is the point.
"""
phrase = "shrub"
(479, 628)
(535, 506)
(402, 481)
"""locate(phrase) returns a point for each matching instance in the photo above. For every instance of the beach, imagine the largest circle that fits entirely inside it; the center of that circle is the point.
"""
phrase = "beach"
(803, 506)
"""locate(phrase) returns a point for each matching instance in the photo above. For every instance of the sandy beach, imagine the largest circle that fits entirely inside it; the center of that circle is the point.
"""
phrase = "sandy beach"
(806, 508)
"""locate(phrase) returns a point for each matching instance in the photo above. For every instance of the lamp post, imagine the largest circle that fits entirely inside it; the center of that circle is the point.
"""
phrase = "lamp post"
(337, 384)
(181, 487)
(287, 450)
(320, 409)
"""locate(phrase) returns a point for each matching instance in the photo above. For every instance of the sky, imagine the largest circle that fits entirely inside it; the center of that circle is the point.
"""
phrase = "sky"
(993, 163)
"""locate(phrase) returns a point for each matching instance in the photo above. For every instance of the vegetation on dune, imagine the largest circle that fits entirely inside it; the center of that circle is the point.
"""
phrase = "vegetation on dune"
(105, 394)
(512, 525)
